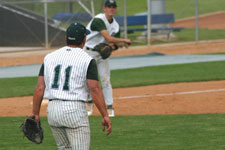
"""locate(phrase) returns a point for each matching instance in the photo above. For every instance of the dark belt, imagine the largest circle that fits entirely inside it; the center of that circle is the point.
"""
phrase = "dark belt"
(65, 100)
(91, 49)
(58, 100)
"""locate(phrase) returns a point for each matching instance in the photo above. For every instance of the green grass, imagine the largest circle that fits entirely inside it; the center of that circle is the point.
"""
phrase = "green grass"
(12, 138)
(168, 74)
(181, 8)
(158, 132)
(219, 53)
(155, 132)
(185, 35)
(186, 8)
(132, 77)
(204, 34)
(11, 87)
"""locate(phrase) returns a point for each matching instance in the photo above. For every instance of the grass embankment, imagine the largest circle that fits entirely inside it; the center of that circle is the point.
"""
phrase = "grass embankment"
(11, 87)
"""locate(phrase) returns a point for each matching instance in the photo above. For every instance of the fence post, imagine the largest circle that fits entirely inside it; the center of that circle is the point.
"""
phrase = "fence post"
(46, 24)
(149, 22)
(125, 18)
(196, 21)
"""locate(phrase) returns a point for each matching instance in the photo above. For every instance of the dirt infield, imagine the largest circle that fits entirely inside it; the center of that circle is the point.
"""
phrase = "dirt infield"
(181, 98)
(209, 21)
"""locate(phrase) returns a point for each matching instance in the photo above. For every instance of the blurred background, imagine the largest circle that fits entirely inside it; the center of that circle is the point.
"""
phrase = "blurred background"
(42, 23)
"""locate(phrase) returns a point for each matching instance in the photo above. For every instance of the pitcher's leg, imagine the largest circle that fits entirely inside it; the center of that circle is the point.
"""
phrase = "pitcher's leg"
(104, 74)
(90, 105)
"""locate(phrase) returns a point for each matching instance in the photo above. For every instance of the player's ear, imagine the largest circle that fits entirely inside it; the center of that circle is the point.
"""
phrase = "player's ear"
(66, 40)
(84, 41)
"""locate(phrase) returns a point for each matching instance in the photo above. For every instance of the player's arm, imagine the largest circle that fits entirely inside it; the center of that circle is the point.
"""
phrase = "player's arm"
(99, 25)
(38, 94)
(97, 95)
(112, 39)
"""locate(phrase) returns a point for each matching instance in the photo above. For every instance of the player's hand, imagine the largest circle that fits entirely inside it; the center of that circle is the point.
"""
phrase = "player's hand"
(127, 41)
(35, 117)
(106, 123)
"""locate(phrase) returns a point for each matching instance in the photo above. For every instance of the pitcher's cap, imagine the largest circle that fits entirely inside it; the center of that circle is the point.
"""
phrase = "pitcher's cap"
(76, 32)
(110, 3)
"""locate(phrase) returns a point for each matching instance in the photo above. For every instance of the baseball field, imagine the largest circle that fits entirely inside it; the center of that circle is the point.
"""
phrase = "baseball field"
(153, 112)
(166, 107)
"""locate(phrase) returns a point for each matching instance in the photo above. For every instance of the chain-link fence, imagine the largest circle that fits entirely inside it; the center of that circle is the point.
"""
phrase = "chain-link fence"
(194, 19)
(43, 22)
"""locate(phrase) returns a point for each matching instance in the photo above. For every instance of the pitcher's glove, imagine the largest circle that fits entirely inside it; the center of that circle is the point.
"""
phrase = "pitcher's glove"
(32, 130)
(104, 50)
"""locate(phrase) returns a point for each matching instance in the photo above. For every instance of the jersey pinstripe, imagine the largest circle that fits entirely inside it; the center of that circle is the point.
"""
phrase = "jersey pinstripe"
(95, 37)
(65, 74)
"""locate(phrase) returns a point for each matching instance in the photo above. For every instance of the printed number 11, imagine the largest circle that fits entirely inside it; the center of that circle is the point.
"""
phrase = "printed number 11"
(57, 70)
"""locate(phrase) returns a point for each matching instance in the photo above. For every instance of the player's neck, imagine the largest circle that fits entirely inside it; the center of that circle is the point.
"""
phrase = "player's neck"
(109, 18)
(76, 46)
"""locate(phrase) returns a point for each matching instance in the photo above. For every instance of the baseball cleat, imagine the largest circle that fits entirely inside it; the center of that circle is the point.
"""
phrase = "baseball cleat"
(90, 106)
(110, 111)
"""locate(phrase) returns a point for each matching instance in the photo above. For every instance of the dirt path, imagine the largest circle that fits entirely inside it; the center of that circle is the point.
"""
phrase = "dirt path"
(181, 98)
(36, 57)
(209, 21)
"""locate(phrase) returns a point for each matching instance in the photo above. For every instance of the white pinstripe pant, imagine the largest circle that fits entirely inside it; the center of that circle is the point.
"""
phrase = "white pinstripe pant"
(69, 123)
(104, 74)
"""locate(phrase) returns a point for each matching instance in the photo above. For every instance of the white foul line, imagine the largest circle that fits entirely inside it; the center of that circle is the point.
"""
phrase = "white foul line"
(170, 94)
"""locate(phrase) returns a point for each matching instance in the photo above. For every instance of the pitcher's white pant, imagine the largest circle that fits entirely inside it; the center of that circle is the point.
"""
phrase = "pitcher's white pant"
(104, 74)
(69, 123)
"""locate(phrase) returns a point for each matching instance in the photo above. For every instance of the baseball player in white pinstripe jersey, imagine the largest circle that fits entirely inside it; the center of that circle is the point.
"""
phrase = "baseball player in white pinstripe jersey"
(66, 78)
(104, 29)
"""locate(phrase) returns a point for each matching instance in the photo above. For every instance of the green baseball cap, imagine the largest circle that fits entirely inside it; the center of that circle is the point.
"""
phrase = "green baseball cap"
(76, 32)
(110, 3)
